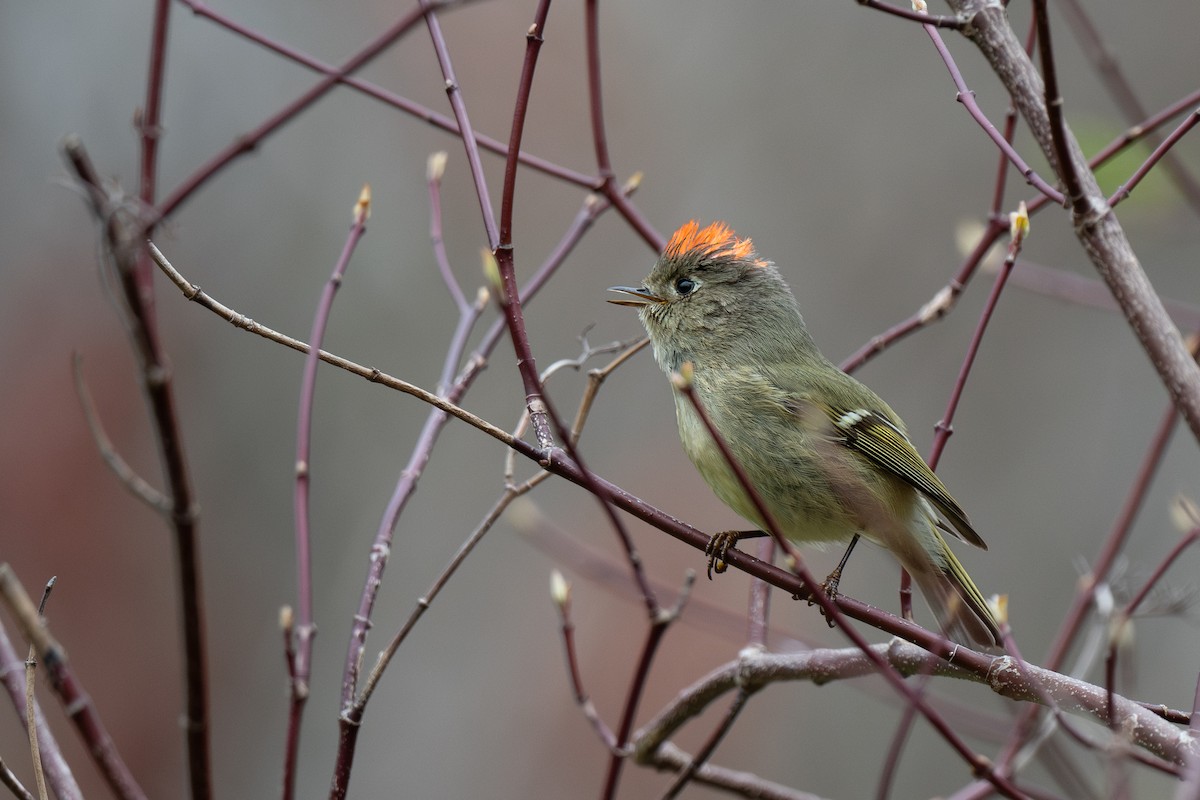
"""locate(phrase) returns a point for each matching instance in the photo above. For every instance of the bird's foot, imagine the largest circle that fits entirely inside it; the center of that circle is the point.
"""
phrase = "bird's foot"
(718, 546)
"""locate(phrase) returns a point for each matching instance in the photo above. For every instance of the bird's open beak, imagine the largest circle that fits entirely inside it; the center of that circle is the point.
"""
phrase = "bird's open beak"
(638, 296)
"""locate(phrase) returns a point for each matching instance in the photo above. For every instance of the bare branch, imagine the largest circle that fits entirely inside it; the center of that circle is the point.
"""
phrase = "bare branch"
(754, 669)
(70, 691)
(300, 668)
(136, 484)
(124, 225)
(1096, 227)
(59, 775)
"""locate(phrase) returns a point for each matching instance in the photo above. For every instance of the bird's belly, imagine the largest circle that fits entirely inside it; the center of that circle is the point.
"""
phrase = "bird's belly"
(793, 486)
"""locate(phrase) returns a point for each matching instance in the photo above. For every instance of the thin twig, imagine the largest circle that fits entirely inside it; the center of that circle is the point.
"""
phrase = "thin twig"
(350, 719)
(655, 632)
(508, 296)
(1188, 539)
(1161, 151)
(891, 762)
(136, 484)
(945, 426)
(71, 694)
(435, 169)
(734, 782)
(13, 783)
(951, 23)
(426, 600)
(967, 98)
(196, 294)
(709, 747)
(350, 722)
(392, 99)
(595, 93)
(58, 774)
(511, 493)
(561, 594)
(937, 307)
(304, 628)
(248, 142)
(542, 413)
(615, 195)
(1054, 110)
(123, 236)
(30, 668)
(1105, 63)
(467, 133)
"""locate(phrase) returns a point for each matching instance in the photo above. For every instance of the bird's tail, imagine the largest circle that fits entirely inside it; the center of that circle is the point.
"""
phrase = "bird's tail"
(956, 601)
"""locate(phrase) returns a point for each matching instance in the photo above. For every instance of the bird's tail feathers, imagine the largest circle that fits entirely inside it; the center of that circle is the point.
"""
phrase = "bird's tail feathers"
(960, 608)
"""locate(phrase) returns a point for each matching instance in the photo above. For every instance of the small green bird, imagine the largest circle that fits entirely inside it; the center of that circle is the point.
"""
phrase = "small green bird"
(828, 457)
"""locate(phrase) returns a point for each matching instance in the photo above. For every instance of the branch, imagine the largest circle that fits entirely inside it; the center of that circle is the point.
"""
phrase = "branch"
(122, 242)
(35, 753)
(1159, 153)
(953, 23)
(967, 98)
(246, 143)
(13, 783)
(1105, 63)
(390, 98)
(466, 132)
(945, 426)
(136, 484)
(1096, 227)
(754, 670)
(58, 773)
(75, 700)
(299, 653)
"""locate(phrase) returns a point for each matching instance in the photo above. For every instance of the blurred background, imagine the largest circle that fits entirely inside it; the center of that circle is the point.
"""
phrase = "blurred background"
(827, 132)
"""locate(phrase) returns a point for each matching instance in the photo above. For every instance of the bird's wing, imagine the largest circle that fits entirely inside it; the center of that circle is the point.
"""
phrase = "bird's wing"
(875, 437)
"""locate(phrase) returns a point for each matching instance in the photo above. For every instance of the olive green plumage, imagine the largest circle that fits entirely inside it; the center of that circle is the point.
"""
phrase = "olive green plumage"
(828, 457)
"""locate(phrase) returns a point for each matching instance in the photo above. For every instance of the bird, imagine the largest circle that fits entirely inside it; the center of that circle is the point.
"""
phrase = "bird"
(829, 458)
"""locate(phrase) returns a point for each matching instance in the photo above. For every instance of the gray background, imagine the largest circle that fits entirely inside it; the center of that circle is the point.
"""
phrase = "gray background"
(827, 132)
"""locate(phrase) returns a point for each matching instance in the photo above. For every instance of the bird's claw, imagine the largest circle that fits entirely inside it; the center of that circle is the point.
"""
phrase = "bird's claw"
(830, 587)
(717, 547)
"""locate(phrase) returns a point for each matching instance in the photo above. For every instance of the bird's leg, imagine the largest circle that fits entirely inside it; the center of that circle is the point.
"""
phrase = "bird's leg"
(719, 545)
(830, 586)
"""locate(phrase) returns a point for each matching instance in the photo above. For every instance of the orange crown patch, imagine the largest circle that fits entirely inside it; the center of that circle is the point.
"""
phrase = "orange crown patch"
(714, 241)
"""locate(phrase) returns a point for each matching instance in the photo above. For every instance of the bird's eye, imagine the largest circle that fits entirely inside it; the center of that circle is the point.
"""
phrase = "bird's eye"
(685, 286)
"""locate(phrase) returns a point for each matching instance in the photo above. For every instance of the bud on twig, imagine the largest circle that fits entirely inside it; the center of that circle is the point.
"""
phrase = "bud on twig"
(491, 271)
(1185, 514)
(435, 167)
(1120, 631)
(560, 590)
(938, 305)
(631, 185)
(1018, 223)
(362, 209)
